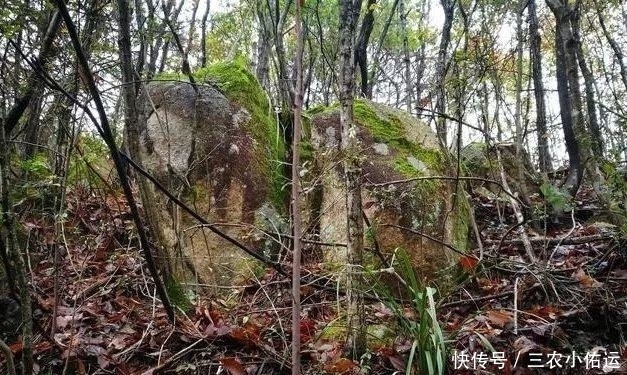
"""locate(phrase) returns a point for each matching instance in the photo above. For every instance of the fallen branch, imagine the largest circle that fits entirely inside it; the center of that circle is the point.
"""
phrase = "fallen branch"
(9, 356)
(550, 241)
(475, 300)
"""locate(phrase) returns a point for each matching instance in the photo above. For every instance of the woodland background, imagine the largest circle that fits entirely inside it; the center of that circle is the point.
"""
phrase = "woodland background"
(547, 77)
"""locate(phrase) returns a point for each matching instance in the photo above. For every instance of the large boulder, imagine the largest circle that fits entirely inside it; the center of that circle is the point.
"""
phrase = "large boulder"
(482, 162)
(424, 217)
(217, 149)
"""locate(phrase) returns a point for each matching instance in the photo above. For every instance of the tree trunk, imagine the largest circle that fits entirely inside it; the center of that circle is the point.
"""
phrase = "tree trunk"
(595, 138)
(441, 68)
(263, 49)
(544, 156)
(361, 49)
(296, 200)
(518, 136)
(349, 13)
(568, 92)
(203, 36)
(402, 14)
(377, 52)
(618, 53)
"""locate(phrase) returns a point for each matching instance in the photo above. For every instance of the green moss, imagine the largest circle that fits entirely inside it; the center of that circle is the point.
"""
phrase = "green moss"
(382, 129)
(319, 109)
(378, 335)
(241, 87)
(388, 128)
(334, 331)
(177, 295)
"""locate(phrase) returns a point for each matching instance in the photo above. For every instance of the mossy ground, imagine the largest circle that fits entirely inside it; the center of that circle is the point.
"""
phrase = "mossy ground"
(177, 294)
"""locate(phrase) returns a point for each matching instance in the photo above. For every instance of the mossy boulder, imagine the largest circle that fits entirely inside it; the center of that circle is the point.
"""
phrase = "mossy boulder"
(479, 160)
(216, 148)
(405, 209)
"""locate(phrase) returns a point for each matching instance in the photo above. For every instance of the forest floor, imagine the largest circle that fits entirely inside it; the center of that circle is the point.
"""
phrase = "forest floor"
(564, 313)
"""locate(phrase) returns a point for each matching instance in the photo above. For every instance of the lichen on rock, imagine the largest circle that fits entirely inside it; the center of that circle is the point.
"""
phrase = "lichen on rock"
(415, 215)
(217, 148)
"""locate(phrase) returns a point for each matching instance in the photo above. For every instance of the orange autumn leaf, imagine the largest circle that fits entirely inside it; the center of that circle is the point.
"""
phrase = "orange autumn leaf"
(548, 311)
(468, 263)
(340, 366)
(585, 279)
(500, 318)
(233, 366)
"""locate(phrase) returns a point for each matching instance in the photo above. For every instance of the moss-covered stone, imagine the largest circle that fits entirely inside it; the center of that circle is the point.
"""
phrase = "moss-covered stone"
(217, 147)
(414, 214)
(237, 83)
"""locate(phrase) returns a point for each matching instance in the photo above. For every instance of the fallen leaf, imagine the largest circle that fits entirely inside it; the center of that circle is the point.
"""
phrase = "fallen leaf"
(233, 366)
(397, 362)
(585, 279)
(548, 311)
(500, 318)
(340, 366)
(524, 345)
(468, 263)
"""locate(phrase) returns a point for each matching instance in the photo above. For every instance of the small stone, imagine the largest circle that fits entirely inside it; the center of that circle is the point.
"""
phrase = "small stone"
(381, 148)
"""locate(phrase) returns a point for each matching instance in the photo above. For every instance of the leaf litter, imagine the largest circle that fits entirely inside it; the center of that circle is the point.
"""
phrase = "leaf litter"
(105, 318)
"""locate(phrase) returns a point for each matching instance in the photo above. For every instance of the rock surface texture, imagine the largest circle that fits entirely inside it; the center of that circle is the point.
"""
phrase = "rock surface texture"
(404, 211)
(219, 150)
(219, 154)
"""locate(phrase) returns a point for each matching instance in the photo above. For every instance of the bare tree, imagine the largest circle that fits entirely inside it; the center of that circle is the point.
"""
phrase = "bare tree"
(349, 14)
(441, 68)
(544, 155)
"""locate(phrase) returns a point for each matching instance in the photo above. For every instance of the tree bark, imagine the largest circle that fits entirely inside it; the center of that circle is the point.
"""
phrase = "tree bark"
(518, 136)
(544, 156)
(203, 36)
(356, 343)
(361, 49)
(568, 92)
(263, 49)
(296, 200)
(595, 139)
(441, 68)
(402, 14)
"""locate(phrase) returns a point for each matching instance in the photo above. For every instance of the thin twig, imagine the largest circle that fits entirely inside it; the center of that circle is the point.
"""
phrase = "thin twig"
(9, 356)
(450, 178)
